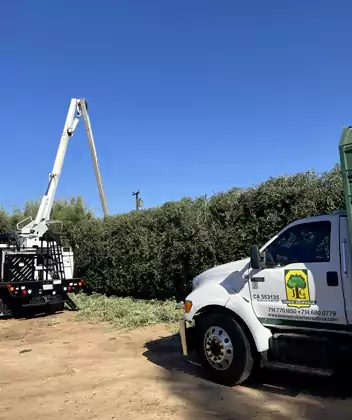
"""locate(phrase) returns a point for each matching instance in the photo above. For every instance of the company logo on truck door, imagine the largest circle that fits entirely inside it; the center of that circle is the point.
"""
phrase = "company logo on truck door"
(297, 289)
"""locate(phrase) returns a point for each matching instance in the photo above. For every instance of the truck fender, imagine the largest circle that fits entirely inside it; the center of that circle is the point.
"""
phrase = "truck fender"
(217, 296)
(206, 296)
(244, 310)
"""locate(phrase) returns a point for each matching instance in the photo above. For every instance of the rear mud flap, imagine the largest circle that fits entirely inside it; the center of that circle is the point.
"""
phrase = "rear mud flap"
(71, 304)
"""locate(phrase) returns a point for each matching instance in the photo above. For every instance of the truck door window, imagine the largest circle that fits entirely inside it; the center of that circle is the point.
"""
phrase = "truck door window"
(306, 242)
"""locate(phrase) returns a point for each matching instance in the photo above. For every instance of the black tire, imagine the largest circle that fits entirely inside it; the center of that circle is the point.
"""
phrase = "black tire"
(5, 312)
(50, 310)
(55, 307)
(234, 371)
(60, 306)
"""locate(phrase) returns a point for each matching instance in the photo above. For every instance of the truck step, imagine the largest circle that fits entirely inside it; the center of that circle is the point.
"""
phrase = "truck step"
(298, 368)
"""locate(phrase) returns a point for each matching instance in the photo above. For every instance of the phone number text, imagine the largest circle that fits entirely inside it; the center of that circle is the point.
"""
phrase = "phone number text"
(312, 312)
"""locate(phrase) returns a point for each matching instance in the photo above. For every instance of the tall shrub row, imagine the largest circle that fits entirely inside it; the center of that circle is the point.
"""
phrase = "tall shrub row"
(155, 253)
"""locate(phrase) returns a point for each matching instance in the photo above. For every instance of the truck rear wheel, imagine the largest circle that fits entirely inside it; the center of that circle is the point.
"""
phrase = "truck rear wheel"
(5, 312)
(224, 349)
(54, 307)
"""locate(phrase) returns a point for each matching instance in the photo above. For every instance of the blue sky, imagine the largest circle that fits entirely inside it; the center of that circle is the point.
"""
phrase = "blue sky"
(185, 97)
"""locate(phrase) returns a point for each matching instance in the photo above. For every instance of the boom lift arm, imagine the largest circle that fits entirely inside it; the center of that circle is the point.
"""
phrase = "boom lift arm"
(31, 230)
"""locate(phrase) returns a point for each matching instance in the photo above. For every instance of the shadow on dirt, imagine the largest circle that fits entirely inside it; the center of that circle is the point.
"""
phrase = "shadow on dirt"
(20, 313)
(270, 394)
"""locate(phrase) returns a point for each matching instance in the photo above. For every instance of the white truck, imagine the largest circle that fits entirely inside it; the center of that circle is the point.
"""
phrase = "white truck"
(289, 304)
(36, 270)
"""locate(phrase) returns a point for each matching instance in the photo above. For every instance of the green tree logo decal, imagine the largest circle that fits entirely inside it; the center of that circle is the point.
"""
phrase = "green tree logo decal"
(297, 282)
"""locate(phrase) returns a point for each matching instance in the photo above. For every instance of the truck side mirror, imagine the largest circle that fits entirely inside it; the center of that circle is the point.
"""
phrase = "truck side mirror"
(256, 261)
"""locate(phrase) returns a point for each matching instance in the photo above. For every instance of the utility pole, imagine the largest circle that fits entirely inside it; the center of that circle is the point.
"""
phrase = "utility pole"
(137, 200)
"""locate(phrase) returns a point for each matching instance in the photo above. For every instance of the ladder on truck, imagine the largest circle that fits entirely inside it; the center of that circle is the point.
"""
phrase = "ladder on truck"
(52, 260)
(56, 256)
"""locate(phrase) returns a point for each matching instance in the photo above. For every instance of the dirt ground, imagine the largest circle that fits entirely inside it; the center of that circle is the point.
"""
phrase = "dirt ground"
(57, 368)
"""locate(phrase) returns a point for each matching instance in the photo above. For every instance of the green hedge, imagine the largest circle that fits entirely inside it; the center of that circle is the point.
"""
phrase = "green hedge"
(155, 253)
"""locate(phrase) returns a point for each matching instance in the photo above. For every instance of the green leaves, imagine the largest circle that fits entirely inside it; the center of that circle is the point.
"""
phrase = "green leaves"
(155, 253)
(296, 281)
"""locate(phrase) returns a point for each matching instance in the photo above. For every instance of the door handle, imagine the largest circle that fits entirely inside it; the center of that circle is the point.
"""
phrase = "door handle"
(332, 278)
(344, 256)
(257, 279)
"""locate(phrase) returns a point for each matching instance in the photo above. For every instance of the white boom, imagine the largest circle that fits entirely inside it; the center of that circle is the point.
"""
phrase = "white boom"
(31, 230)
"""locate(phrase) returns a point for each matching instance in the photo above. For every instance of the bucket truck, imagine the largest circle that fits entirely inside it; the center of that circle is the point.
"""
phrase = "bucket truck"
(35, 269)
(288, 305)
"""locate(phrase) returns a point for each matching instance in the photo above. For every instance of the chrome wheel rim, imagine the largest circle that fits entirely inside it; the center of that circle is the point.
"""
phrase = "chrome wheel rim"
(218, 348)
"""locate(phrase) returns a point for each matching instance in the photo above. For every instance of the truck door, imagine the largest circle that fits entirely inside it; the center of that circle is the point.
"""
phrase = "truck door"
(346, 266)
(301, 285)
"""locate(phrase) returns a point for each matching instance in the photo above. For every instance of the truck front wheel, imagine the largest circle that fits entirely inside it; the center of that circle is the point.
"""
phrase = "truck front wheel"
(224, 349)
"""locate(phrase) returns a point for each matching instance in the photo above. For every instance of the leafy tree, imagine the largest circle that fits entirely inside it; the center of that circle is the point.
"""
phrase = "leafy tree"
(4, 221)
(295, 283)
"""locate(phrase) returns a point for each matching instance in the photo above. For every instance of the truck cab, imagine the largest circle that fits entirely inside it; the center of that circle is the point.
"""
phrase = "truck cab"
(303, 275)
(288, 304)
